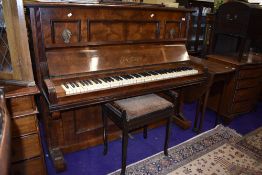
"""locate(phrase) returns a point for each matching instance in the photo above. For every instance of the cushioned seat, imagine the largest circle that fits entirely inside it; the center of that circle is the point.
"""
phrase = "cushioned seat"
(142, 105)
(135, 113)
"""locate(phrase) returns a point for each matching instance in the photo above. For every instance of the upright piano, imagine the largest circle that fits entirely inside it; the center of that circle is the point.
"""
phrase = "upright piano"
(88, 54)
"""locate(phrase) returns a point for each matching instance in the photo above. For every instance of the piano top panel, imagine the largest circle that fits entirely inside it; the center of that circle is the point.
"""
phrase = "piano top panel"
(106, 5)
(63, 62)
(65, 25)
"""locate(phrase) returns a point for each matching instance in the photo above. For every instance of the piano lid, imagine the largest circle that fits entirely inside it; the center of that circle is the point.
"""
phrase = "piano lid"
(83, 60)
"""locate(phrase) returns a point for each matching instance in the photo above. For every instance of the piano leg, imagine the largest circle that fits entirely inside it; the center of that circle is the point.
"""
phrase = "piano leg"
(179, 118)
(57, 159)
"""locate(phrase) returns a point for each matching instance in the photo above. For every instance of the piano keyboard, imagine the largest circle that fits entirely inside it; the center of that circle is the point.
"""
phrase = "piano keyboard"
(85, 86)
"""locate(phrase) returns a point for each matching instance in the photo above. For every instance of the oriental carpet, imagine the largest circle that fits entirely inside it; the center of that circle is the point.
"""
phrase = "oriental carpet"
(219, 151)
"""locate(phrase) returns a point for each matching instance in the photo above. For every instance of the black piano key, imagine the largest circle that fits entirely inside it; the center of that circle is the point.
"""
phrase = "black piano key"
(111, 79)
(121, 78)
(95, 81)
(114, 78)
(76, 84)
(134, 75)
(153, 73)
(99, 81)
(129, 77)
(138, 75)
(66, 85)
(86, 82)
(108, 79)
(82, 82)
(103, 80)
(72, 84)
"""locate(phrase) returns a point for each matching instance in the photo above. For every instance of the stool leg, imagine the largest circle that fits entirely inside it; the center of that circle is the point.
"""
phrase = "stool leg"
(168, 128)
(197, 114)
(145, 132)
(104, 118)
(124, 151)
(203, 112)
(217, 121)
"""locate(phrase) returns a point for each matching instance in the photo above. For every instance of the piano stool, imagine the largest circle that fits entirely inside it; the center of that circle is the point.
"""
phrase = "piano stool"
(135, 113)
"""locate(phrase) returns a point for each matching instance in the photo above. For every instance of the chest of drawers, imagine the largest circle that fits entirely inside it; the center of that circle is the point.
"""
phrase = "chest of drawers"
(27, 157)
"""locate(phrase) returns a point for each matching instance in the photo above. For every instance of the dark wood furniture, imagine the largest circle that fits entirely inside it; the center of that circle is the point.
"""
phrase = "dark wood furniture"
(26, 150)
(242, 91)
(198, 27)
(219, 76)
(79, 42)
(134, 113)
(236, 42)
(5, 136)
(237, 29)
(15, 61)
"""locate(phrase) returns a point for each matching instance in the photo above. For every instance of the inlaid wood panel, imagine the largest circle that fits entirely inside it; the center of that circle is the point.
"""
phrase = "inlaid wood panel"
(65, 31)
(174, 29)
(106, 31)
(90, 24)
(122, 30)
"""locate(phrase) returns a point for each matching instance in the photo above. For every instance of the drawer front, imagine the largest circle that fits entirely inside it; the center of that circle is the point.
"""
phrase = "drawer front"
(34, 166)
(24, 125)
(25, 147)
(245, 94)
(247, 83)
(249, 73)
(20, 105)
(240, 107)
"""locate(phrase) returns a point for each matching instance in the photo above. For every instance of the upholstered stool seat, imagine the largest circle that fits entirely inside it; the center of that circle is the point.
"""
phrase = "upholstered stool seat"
(142, 105)
(135, 113)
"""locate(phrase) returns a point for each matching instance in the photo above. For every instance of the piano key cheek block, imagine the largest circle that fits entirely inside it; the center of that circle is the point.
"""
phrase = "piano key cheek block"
(84, 59)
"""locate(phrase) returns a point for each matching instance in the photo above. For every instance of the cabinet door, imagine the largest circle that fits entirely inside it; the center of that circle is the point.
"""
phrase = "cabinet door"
(15, 62)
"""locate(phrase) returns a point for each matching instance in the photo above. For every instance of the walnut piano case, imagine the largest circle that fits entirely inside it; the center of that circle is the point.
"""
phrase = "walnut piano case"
(77, 43)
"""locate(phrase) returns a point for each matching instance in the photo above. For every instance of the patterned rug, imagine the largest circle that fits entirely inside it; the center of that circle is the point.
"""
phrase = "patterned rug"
(211, 153)
(252, 142)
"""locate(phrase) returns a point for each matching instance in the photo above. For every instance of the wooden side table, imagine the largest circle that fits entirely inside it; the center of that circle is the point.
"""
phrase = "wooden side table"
(218, 74)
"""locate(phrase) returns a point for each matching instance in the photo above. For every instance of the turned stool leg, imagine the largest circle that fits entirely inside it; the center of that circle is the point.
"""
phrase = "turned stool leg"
(145, 132)
(197, 114)
(104, 118)
(168, 128)
(203, 112)
(124, 151)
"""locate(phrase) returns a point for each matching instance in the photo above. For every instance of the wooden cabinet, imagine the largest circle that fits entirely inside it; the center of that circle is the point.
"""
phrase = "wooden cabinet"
(26, 150)
(198, 28)
(242, 92)
(15, 62)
